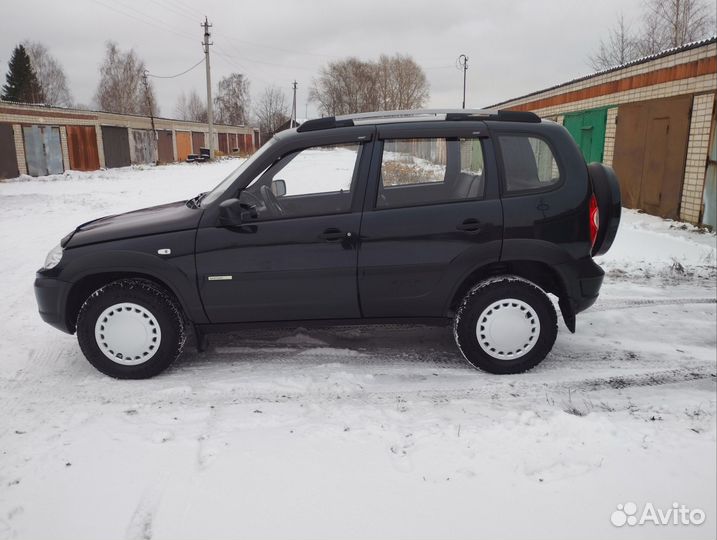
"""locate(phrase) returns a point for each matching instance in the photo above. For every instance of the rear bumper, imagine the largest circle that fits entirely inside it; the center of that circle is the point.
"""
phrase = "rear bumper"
(582, 280)
(589, 290)
(51, 295)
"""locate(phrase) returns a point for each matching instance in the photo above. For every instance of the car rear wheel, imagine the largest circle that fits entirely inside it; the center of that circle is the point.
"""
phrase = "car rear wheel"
(505, 324)
(131, 329)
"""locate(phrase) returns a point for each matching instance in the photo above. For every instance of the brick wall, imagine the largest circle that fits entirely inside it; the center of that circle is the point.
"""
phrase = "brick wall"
(20, 149)
(65, 149)
(692, 71)
(696, 165)
(610, 129)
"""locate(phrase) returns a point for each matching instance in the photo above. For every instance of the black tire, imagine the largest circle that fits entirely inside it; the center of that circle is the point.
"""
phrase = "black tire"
(499, 289)
(148, 295)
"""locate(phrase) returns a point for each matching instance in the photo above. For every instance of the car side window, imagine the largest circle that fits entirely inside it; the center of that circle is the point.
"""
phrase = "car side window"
(314, 181)
(430, 171)
(528, 163)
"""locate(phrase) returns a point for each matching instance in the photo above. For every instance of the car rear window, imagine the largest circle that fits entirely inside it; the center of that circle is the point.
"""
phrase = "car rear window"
(528, 163)
(418, 172)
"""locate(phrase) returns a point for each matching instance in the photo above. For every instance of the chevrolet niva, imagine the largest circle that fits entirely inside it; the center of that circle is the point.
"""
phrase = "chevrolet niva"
(464, 217)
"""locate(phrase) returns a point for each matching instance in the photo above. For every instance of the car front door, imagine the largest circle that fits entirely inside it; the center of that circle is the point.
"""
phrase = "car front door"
(432, 215)
(295, 258)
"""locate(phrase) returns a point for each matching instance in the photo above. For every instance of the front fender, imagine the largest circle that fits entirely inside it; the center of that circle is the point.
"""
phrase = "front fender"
(139, 256)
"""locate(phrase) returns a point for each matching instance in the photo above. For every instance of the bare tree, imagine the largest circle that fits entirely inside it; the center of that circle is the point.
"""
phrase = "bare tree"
(652, 38)
(682, 21)
(344, 87)
(620, 47)
(407, 79)
(352, 85)
(665, 24)
(272, 111)
(49, 73)
(231, 103)
(191, 107)
(121, 88)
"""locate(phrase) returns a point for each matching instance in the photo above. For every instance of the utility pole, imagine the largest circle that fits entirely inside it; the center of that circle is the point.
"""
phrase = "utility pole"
(210, 112)
(293, 106)
(463, 62)
(150, 106)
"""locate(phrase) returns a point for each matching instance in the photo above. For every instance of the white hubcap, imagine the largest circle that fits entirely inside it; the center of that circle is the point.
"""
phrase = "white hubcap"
(128, 334)
(508, 329)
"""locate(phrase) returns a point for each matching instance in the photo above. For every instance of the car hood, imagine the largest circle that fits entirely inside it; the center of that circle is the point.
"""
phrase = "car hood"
(165, 218)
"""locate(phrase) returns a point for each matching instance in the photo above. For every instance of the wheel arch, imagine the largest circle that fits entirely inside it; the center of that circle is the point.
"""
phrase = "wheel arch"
(540, 273)
(85, 286)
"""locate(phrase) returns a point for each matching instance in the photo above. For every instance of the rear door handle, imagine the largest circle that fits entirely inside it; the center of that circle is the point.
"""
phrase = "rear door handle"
(334, 234)
(469, 225)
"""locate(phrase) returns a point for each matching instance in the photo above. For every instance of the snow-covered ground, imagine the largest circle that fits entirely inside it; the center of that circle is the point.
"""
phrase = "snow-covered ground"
(355, 433)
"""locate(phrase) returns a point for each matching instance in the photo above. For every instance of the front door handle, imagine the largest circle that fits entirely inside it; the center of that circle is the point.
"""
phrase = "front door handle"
(469, 225)
(334, 234)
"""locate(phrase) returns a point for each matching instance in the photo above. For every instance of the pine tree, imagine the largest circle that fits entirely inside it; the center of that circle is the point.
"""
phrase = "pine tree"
(22, 85)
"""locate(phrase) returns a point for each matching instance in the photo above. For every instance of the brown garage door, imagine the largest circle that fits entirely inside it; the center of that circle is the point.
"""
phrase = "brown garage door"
(82, 147)
(184, 144)
(8, 157)
(197, 141)
(650, 151)
(165, 146)
(223, 143)
(115, 141)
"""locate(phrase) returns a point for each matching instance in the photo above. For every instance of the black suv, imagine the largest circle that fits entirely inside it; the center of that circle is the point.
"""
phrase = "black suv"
(470, 217)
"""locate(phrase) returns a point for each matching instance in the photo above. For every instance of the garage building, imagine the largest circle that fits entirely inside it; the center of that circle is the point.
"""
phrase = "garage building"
(653, 121)
(37, 140)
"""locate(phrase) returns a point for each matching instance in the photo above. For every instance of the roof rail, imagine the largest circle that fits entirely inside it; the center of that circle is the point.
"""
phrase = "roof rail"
(346, 120)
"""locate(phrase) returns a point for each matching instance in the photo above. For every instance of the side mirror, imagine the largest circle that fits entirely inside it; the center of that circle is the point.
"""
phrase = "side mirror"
(278, 188)
(233, 213)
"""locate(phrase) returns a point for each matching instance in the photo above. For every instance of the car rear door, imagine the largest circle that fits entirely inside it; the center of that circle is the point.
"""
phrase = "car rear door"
(432, 214)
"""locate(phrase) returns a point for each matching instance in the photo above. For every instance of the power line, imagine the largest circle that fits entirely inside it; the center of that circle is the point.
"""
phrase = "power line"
(178, 74)
(143, 20)
(180, 9)
(233, 64)
(175, 8)
(281, 49)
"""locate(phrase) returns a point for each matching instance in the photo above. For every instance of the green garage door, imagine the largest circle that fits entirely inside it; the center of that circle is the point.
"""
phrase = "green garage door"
(588, 130)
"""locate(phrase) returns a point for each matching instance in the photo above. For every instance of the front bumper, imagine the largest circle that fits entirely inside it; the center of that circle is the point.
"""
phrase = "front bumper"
(51, 295)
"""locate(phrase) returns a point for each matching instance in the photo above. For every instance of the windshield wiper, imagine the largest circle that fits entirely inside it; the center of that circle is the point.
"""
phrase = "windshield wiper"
(196, 202)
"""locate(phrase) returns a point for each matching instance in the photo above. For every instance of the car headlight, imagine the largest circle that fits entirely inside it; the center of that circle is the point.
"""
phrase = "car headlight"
(53, 258)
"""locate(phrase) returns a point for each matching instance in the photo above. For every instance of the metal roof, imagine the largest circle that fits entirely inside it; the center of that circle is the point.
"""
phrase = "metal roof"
(643, 60)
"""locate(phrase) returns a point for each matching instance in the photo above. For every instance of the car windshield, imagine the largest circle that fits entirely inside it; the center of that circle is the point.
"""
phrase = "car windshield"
(229, 180)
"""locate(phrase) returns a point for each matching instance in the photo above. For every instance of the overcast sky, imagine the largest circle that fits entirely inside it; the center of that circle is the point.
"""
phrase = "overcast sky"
(514, 46)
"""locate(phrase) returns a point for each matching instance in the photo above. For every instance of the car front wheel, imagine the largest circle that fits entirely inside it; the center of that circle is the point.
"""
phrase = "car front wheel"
(131, 329)
(505, 324)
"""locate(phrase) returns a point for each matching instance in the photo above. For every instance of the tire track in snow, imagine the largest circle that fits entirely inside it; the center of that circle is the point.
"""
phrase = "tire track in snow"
(141, 523)
(627, 303)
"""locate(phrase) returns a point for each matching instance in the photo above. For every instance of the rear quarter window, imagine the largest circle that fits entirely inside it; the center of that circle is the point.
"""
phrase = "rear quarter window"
(528, 163)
